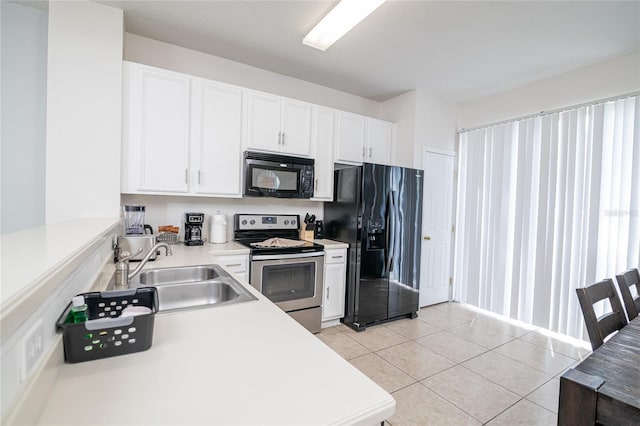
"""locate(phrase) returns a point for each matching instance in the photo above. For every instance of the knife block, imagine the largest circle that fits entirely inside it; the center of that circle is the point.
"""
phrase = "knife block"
(306, 235)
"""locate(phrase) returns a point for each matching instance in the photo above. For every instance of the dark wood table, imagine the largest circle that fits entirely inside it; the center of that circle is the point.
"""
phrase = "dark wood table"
(605, 387)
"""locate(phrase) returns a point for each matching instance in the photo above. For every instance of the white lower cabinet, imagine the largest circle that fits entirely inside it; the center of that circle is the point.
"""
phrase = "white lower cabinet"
(335, 276)
(238, 264)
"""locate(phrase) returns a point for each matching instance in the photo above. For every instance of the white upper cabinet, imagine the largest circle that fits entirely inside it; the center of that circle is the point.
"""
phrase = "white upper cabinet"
(379, 139)
(296, 127)
(278, 124)
(263, 122)
(350, 141)
(184, 135)
(323, 136)
(216, 138)
(181, 134)
(363, 139)
(156, 130)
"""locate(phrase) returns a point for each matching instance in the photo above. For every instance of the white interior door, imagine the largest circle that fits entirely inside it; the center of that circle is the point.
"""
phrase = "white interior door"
(437, 228)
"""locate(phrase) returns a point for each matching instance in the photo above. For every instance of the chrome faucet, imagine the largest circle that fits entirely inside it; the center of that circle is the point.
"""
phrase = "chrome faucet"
(122, 275)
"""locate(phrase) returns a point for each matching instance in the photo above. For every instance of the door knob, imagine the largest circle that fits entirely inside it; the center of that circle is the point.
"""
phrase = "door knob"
(426, 237)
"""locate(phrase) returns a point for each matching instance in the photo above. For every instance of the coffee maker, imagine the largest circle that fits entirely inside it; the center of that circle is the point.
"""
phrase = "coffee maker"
(193, 229)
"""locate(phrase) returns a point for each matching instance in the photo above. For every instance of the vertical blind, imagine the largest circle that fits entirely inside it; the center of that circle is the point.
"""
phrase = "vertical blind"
(546, 205)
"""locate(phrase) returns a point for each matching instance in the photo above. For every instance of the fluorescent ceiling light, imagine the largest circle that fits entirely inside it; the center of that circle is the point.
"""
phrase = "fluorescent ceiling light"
(342, 18)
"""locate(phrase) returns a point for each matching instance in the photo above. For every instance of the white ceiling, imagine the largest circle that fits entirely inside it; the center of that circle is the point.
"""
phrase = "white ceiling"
(457, 50)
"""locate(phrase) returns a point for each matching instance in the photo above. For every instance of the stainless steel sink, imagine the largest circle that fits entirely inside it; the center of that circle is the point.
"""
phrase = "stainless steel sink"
(180, 296)
(190, 287)
(187, 274)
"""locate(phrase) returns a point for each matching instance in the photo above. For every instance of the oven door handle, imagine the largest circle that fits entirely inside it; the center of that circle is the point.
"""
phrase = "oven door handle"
(287, 256)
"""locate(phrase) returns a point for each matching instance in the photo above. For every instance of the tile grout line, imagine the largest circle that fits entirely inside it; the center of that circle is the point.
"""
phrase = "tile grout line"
(456, 363)
(480, 375)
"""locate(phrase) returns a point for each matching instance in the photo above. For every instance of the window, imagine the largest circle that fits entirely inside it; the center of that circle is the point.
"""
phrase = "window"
(546, 205)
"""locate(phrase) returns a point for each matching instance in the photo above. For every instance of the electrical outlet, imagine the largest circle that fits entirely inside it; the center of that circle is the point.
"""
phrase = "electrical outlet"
(32, 348)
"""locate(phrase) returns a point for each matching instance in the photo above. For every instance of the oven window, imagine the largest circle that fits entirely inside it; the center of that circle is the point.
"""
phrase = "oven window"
(274, 179)
(281, 283)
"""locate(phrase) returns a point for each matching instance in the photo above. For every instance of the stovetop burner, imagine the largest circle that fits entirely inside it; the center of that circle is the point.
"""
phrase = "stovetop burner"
(250, 229)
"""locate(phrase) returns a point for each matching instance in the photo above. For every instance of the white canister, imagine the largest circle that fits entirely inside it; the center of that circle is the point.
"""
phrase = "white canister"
(218, 231)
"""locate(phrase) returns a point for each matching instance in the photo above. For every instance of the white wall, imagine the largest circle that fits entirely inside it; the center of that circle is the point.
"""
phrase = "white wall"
(84, 92)
(436, 120)
(168, 210)
(402, 111)
(423, 119)
(617, 76)
(163, 55)
(24, 101)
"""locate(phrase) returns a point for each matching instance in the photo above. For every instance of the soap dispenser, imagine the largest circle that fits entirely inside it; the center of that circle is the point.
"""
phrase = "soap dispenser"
(79, 311)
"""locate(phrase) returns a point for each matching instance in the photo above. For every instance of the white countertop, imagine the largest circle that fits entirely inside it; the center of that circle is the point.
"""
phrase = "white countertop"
(227, 249)
(330, 244)
(248, 363)
(30, 254)
(194, 255)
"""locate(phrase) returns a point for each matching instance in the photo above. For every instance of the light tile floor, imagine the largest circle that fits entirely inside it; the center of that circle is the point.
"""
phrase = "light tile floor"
(455, 366)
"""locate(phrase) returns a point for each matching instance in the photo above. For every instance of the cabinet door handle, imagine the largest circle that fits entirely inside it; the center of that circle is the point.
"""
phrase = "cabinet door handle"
(283, 138)
(279, 138)
(328, 288)
(186, 176)
(199, 180)
(315, 188)
(336, 257)
(363, 152)
(369, 152)
(233, 264)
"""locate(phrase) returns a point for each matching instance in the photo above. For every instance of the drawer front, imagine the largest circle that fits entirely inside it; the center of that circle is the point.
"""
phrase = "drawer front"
(335, 256)
(235, 264)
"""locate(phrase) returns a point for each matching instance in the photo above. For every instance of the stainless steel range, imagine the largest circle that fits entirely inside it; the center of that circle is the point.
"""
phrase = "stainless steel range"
(289, 271)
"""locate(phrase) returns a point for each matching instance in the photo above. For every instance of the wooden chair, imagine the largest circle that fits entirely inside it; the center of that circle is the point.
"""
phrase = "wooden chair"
(625, 281)
(599, 328)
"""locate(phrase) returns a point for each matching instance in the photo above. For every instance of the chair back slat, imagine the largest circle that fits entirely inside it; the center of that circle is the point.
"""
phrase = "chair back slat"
(611, 321)
(599, 328)
(625, 282)
(598, 293)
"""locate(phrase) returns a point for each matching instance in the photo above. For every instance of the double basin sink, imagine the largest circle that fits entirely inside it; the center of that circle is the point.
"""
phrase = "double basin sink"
(192, 287)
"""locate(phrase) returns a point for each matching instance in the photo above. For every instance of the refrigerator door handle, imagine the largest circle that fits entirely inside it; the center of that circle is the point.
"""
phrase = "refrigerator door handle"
(390, 225)
(387, 225)
(392, 231)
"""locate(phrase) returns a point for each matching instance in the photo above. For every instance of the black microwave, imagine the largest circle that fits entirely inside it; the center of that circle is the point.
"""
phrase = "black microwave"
(270, 175)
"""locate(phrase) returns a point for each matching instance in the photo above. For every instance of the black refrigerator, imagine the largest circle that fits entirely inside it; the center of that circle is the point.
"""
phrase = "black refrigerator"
(377, 210)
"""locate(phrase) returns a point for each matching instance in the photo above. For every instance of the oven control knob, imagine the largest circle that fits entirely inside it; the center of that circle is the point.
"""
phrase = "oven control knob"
(244, 222)
(293, 222)
(253, 222)
(286, 222)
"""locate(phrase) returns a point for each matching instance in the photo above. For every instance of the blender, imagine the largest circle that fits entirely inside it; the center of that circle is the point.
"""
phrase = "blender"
(134, 220)
(135, 240)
